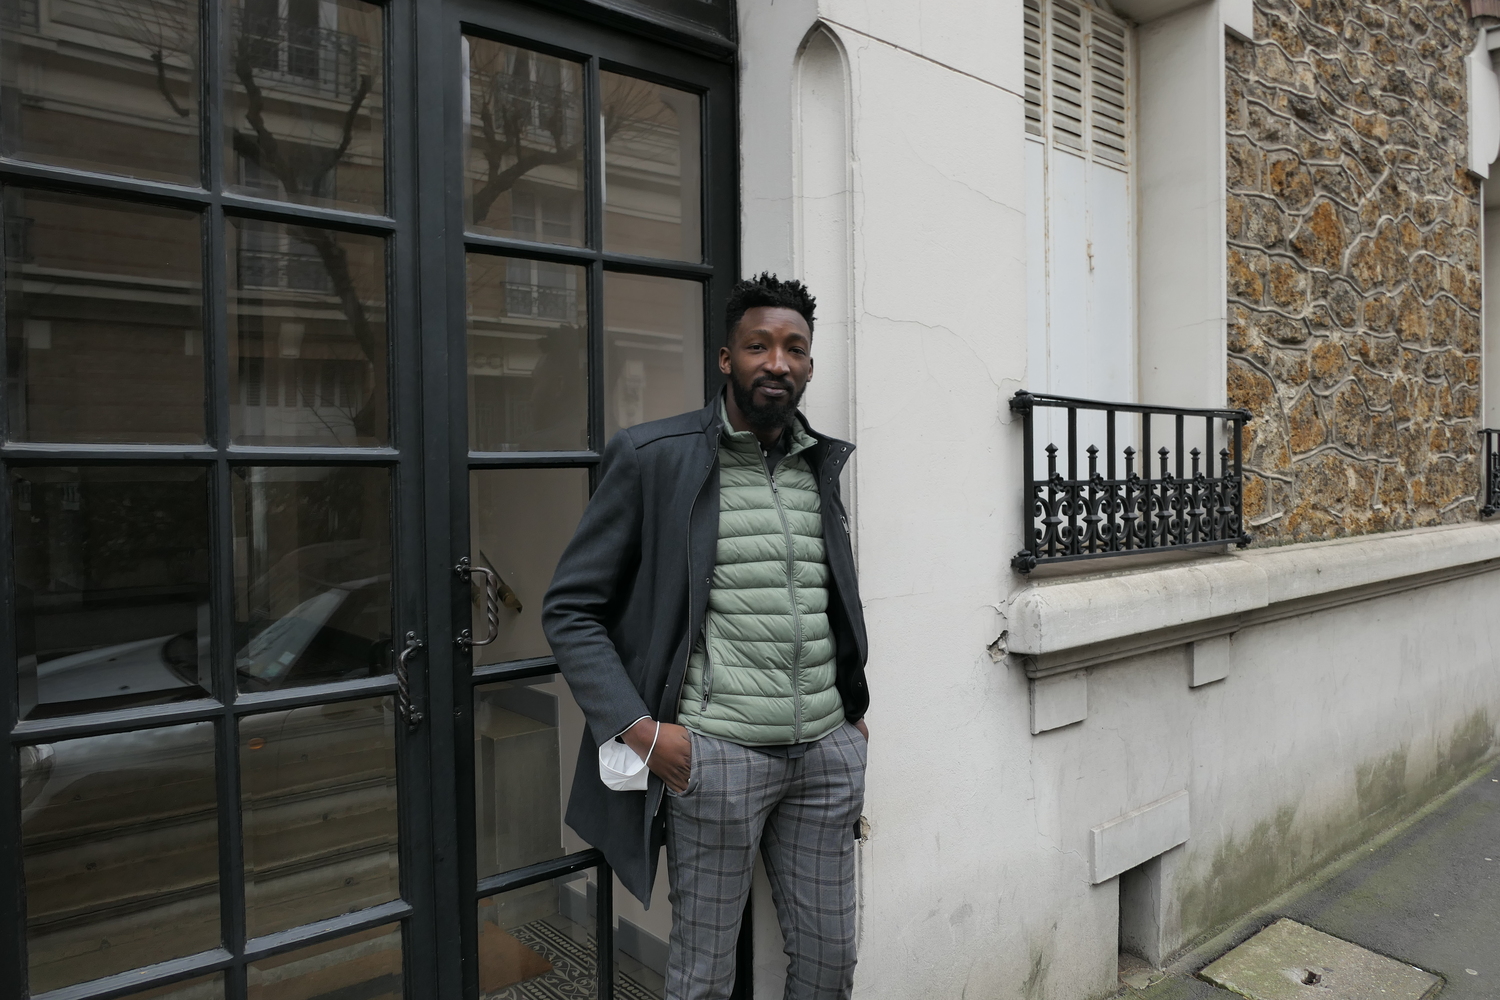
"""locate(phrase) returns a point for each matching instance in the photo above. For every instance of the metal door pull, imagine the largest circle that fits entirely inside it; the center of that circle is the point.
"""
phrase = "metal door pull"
(409, 714)
(465, 570)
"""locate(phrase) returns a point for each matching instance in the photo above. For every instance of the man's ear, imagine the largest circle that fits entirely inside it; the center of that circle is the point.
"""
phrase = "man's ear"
(724, 367)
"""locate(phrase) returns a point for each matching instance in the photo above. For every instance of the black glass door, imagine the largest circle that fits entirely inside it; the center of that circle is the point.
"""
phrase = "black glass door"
(215, 782)
(584, 227)
(317, 314)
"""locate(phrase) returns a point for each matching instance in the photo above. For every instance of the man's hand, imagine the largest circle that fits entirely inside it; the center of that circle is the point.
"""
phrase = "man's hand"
(672, 760)
(864, 730)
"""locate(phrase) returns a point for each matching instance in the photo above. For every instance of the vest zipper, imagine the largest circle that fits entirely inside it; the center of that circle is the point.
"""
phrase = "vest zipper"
(791, 589)
(708, 658)
(692, 508)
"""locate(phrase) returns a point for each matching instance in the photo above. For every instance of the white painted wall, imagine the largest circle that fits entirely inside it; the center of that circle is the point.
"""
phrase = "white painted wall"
(908, 218)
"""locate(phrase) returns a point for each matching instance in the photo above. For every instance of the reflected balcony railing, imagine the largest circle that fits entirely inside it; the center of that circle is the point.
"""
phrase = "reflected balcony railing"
(549, 113)
(325, 59)
(1491, 472)
(285, 270)
(1178, 498)
(540, 301)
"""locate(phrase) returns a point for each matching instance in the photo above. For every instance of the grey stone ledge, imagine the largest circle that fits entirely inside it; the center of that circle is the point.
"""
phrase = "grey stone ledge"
(1071, 624)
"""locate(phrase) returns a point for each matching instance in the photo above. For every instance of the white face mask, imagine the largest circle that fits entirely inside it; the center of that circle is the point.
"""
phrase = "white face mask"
(621, 768)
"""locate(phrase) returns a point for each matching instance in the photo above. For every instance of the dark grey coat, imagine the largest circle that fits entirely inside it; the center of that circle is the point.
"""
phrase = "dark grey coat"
(630, 594)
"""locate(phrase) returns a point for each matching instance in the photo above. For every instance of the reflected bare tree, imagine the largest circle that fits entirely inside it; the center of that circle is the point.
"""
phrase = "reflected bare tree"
(299, 168)
(168, 31)
(525, 123)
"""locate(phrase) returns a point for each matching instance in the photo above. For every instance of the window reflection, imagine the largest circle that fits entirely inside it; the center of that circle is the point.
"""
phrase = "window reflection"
(202, 988)
(528, 357)
(318, 789)
(307, 338)
(305, 93)
(520, 521)
(524, 143)
(119, 836)
(366, 966)
(652, 156)
(653, 348)
(312, 575)
(112, 587)
(539, 941)
(102, 85)
(104, 320)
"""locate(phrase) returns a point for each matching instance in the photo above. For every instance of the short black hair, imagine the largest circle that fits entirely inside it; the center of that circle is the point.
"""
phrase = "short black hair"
(767, 290)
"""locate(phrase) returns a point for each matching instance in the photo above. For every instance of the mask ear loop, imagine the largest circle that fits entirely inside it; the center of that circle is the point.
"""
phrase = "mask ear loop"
(654, 737)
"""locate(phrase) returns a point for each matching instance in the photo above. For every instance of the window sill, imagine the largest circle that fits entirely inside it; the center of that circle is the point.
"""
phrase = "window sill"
(1061, 627)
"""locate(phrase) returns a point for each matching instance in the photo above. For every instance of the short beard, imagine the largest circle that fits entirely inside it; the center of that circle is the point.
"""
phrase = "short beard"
(771, 416)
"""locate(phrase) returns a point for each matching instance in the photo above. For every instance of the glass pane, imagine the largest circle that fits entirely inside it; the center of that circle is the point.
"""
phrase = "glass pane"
(112, 587)
(202, 988)
(363, 966)
(539, 941)
(104, 320)
(653, 348)
(312, 575)
(524, 144)
(652, 157)
(120, 838)
(528, 355)
(102, 85)
(520, 521)
(307, 337)
(518, 786)
(318, 787)
(304, 96)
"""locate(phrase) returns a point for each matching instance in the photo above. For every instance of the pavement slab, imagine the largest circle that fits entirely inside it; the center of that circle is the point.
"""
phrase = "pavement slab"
(1429, 896)
(1291, 961)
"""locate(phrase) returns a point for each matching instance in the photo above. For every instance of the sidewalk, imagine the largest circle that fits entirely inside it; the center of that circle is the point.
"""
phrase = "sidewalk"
(1429, 896)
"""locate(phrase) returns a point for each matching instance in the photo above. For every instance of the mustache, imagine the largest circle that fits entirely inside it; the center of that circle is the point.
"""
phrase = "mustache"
(772, 380)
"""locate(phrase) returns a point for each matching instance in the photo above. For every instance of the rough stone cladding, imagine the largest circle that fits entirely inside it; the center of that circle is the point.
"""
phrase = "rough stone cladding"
(1354, 267)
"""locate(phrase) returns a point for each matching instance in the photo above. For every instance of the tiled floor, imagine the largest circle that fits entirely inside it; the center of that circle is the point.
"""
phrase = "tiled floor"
(572, 952)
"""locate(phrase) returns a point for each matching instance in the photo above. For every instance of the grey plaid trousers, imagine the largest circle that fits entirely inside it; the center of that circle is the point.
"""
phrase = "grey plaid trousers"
(800, 812)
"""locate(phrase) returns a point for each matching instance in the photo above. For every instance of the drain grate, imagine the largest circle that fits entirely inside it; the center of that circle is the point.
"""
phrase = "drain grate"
(1291, 961)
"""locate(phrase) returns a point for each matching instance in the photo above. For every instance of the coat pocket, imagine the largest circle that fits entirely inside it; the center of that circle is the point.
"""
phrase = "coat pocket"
(708, 659)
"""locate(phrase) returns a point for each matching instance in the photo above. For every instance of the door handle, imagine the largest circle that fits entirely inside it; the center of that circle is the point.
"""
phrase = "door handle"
(411, 715)
(465, 570)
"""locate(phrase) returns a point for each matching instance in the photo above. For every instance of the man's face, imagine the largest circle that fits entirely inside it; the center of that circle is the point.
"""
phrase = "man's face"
(769, 362)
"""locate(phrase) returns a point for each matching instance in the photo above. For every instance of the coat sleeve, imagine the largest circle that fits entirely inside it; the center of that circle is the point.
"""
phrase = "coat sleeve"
(593, 577)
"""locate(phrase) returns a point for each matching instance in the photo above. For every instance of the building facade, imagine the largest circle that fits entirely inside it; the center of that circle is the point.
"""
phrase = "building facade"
(1161, 329)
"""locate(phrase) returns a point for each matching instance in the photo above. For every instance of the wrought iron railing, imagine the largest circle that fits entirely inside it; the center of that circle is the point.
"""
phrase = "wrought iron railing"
(541, 301)
(1124, 508)
(1491, 472)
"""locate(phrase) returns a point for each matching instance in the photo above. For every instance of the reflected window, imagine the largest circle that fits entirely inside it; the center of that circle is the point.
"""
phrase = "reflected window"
(307, 336)
(304, 85)
(312, 575)
(528, 355)
(521, 520)
(120, 837)
(366, 966)
(653, 348)
(112, 587)
(539, 942)
(524, 144)
(102, 85)
(652, 157)
(318, 790)
(104, 320)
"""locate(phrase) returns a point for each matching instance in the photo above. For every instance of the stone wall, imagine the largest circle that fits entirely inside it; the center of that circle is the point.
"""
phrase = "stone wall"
(1354, 267)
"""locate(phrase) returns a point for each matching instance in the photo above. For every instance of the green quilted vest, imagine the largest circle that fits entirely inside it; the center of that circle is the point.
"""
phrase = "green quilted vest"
(762, 672)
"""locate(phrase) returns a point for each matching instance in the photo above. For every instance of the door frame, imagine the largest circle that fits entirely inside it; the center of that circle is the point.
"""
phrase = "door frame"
(601, 37)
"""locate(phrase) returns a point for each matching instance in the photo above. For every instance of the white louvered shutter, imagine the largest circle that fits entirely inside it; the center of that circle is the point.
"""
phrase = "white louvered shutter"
(1080, 229)
(1077, 79)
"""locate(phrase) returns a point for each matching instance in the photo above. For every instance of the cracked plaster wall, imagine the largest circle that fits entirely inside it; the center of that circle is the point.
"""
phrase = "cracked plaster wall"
(1353, 267)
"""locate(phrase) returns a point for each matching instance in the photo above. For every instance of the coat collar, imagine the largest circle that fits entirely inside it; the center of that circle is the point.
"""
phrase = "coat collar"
(830, 452)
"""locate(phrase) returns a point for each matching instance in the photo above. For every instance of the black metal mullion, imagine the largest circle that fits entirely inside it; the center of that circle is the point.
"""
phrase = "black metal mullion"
(533, 459)
(604, 943)
(86, 454)
(329, 929)
(133, 980)
(45, 177)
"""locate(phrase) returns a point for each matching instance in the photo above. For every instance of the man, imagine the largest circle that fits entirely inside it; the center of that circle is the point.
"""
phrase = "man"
(707, 615)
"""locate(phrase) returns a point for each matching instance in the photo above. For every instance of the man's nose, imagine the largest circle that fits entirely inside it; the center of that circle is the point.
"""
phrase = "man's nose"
(777, 363)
